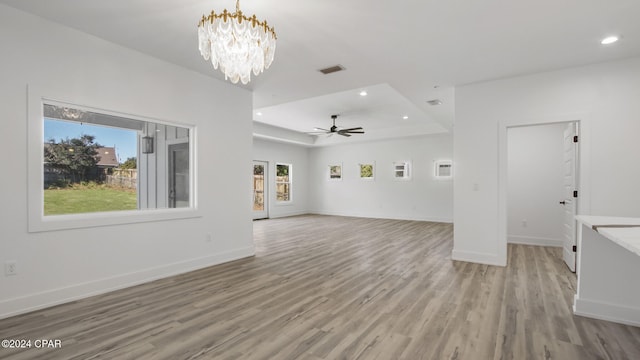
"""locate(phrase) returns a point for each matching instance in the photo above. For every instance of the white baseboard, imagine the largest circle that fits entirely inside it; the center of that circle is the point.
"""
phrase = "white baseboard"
(480, 258)
(24, 304)
(382, 216)
(532, 240)
(287, 214)
(604, 311)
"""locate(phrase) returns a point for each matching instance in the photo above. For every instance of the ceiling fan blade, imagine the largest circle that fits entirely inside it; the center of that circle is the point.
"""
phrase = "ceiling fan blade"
(351, 129)
(320, 129)
(343, 134)
(351, 132)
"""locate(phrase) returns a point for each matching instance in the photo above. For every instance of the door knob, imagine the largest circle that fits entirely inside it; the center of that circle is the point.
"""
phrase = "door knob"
(562, 202)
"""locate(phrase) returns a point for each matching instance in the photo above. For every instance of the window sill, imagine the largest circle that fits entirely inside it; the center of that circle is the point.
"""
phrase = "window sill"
(98, 219)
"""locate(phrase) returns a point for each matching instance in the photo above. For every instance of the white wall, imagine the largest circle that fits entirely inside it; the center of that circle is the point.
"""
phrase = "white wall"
(58, 266)
(603, 96)
(535, 184)
(298, 156)
(420, 198)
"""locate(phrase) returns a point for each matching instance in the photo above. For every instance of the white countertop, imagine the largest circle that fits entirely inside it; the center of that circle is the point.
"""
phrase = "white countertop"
(628, 238)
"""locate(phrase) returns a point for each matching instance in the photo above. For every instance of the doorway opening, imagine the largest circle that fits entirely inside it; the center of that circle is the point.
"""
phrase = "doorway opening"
(541, 181)
(542, 178)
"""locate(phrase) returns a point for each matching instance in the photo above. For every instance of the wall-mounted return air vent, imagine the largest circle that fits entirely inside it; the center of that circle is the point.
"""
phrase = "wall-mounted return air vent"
(331, 69)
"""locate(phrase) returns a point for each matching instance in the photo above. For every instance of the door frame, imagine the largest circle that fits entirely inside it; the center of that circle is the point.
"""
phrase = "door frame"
(265, 194)
(584, 161)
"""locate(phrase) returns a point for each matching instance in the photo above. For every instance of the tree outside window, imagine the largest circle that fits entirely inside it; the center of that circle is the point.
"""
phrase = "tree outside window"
(74, 159)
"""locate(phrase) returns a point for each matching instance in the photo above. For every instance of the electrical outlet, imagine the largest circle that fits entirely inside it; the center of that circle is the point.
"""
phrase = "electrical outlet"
(208, 238)
(10, 268)
(524, 223)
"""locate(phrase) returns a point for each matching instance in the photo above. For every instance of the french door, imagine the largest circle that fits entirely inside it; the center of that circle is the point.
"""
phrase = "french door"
(260, 194)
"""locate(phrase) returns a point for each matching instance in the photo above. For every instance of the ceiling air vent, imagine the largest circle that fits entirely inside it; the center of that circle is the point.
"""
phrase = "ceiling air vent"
(331, 69)
(434, 102)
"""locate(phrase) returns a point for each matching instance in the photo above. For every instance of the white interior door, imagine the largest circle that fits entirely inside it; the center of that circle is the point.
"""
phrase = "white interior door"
(260, 195)
(570, 201)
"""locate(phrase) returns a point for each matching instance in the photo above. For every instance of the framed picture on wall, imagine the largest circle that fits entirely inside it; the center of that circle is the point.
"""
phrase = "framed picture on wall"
(335, 172)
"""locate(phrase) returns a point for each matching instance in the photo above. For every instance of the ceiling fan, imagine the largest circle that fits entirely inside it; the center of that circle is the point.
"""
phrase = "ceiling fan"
(335, 130)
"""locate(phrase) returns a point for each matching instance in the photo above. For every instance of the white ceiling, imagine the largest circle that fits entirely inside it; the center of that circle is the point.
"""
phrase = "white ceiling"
(381, 113)
(412, 51)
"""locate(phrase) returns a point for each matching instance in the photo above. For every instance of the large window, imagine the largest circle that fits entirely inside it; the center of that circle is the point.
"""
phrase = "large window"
(97, 167)
(283, 182)
(83, 175)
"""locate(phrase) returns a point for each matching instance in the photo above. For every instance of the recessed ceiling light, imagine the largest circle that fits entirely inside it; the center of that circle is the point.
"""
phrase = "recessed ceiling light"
(609, 40)
(363, 93)
(405, 117)
(259, 113)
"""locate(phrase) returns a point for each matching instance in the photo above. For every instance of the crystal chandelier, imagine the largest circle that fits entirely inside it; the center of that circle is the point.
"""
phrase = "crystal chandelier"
(236, 43)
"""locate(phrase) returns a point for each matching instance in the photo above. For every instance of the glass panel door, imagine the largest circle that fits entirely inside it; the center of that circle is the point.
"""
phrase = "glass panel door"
(260, 197)
(179, 175)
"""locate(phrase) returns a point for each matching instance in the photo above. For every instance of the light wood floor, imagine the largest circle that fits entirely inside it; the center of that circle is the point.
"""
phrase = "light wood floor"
(325, 287)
